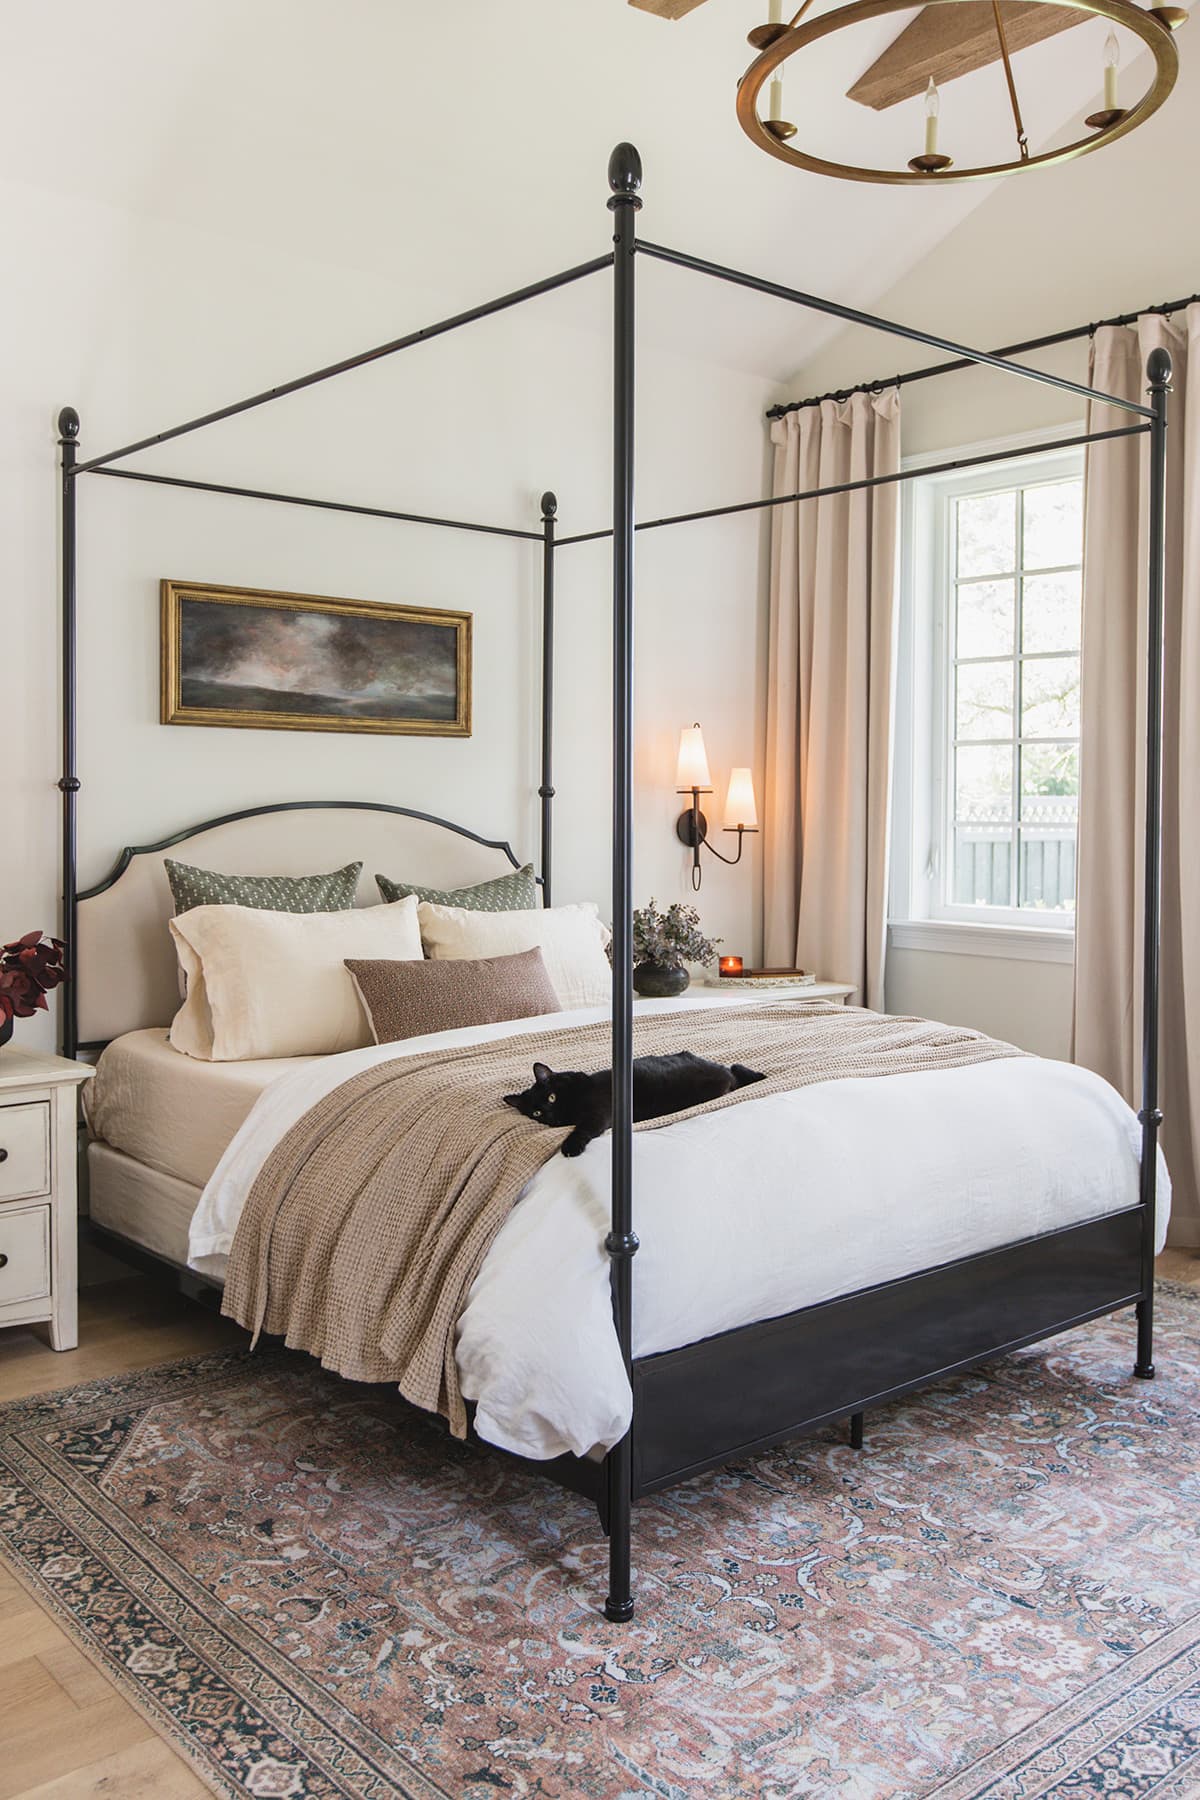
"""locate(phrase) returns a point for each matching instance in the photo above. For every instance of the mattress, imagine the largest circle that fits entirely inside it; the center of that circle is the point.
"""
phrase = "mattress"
(744, 1214)
(172, 1112)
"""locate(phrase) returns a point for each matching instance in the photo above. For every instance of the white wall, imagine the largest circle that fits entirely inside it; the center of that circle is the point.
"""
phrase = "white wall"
(1100, 236)
(138, 324)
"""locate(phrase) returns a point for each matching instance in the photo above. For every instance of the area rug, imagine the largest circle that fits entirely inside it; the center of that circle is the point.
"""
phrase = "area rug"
(313, 1592)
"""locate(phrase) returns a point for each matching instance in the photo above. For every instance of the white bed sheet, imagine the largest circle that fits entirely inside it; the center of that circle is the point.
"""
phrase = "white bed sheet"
(779, 1203)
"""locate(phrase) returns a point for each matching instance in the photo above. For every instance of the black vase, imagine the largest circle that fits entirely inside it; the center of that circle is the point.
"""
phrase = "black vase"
(655, 981)
(6, 1031)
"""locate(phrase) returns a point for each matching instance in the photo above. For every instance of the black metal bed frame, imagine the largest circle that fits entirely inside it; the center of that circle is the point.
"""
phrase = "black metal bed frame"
(734, 1394)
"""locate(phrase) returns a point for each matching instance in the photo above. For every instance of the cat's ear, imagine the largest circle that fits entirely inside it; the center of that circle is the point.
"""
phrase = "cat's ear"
(511, 1099)
(542, 1073)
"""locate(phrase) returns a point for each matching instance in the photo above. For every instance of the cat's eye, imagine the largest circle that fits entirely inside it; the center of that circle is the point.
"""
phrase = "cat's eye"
(552, 1099)
(537, 1112)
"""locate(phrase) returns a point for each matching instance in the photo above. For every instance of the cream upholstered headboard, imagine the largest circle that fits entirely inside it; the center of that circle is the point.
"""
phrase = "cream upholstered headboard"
(125, 969)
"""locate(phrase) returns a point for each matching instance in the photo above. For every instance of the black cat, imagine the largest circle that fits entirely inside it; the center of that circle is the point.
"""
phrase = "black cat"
(661, 1085)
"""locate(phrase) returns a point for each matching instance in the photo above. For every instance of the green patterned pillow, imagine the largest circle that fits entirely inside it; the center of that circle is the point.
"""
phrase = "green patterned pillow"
(506, 893)
(270, 893)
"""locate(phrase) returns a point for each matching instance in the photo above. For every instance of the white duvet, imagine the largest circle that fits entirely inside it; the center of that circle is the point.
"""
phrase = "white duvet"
(778, 1203)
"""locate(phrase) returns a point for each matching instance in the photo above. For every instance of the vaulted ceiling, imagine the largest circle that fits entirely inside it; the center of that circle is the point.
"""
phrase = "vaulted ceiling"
(456, 151)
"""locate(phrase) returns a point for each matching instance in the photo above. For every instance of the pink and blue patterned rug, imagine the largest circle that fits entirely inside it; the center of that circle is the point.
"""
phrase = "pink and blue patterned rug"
(313, 1593)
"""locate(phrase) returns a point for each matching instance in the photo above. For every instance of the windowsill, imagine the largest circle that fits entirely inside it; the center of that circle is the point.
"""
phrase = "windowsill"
(1015, 943)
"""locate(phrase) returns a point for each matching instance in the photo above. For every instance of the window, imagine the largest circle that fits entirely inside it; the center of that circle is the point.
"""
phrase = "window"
(988, 785)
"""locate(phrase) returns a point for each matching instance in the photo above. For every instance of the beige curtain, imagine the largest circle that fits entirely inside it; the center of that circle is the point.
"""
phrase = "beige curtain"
(830, 682)
(1108, 936)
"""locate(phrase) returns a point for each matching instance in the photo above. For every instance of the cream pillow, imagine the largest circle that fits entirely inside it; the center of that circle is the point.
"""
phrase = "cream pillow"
(263, 984)
(570, 938)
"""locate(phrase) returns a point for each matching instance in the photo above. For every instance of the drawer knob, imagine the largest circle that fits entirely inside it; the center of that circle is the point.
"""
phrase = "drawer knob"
(3, 1260)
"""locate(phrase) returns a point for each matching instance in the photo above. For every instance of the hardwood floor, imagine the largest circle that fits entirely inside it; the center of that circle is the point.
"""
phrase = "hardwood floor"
(1180, 1265)
(65, 1732)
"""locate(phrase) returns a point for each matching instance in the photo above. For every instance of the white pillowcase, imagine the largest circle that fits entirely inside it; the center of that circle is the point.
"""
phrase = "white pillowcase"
(263, 984)
(570, 938)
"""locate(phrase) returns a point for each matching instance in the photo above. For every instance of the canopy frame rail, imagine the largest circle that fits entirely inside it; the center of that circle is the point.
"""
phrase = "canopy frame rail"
(913, 334)
(951, 467)
(423, 335)
(619, 1480)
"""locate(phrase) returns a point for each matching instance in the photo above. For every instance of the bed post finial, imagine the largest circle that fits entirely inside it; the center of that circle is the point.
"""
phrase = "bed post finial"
(1159, 369)
(68, 425)
(1158, 376)
(625, 176)
(549, 505)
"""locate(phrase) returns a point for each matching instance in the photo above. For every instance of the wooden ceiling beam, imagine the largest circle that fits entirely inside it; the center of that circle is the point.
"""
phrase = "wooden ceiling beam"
(948, 41)
(667, 9)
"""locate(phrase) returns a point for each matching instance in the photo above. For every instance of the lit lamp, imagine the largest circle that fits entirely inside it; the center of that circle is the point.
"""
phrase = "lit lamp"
(692, 778)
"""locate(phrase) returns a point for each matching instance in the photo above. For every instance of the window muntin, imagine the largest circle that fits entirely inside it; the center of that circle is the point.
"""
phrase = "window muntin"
(1013, 563)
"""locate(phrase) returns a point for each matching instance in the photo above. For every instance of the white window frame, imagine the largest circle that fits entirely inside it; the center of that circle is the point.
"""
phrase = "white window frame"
(918, 917)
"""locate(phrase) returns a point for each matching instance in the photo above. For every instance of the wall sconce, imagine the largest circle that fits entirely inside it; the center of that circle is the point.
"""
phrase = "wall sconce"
(692, 777)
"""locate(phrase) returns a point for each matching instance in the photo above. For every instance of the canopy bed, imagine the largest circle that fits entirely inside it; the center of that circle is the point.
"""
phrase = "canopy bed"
(736, 1390)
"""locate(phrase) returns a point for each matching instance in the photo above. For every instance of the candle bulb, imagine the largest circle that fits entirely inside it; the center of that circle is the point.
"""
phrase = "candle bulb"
(775, 12)
(776, 101)
(932, 108)
(1112, 53)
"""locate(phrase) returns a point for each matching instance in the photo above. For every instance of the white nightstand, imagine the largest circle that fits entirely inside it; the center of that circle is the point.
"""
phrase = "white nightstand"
(39, 1212)
(815, 990)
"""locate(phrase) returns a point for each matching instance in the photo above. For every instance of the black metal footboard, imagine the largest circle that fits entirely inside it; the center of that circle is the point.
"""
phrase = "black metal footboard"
(729, 1395)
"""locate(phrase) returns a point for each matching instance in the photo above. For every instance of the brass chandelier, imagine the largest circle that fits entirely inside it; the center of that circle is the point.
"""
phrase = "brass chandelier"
(778, 41)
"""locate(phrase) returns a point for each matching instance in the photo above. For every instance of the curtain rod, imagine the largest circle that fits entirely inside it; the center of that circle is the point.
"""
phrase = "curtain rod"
(1166, 308)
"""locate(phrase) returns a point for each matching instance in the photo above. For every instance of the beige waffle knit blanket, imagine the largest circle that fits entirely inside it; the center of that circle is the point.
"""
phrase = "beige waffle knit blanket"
(370, 1219)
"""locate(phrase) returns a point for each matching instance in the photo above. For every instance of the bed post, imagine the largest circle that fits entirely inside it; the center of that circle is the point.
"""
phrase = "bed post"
(1158, 372)
(546, 790)
(68, 784)
(624, 178)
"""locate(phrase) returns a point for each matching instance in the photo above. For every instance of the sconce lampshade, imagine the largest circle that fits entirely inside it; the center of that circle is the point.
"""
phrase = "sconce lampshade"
(740, 809)
(692, 768)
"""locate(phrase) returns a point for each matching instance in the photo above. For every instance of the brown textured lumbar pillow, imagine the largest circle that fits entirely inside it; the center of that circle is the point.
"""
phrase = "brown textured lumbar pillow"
(408, 999)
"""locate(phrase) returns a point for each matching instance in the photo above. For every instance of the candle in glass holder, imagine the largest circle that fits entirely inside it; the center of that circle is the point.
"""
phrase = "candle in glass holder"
(731, 965)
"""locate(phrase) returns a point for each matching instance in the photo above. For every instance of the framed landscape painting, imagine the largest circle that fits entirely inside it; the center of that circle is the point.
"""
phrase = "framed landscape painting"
(300, 662)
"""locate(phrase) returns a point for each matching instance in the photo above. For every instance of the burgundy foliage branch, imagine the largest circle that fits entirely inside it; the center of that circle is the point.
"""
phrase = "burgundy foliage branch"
(29, 968)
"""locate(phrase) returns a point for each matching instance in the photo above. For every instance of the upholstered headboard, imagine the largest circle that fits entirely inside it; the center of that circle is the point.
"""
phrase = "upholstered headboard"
(125, 968)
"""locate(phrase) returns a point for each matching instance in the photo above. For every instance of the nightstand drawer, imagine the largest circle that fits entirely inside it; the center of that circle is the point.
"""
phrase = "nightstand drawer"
(24, 1254)
(24, 1150)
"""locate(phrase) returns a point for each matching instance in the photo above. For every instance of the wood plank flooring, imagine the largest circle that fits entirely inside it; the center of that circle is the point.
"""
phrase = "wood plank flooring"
(65, 1731)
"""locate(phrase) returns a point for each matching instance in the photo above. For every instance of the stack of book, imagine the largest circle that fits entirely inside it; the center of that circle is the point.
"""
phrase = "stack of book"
(768, 978)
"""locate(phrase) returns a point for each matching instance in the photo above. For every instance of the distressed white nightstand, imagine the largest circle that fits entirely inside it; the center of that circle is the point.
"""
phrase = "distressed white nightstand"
(39, 1212)
(782, 990)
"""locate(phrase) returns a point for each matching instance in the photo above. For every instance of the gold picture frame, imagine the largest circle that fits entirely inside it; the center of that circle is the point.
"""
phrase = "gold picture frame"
(254, 658)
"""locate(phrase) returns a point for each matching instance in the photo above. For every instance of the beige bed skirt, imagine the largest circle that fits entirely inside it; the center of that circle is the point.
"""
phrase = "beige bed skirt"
(143, 1204)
